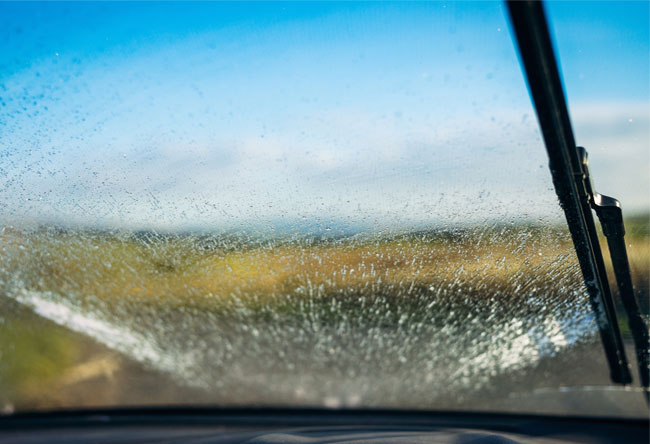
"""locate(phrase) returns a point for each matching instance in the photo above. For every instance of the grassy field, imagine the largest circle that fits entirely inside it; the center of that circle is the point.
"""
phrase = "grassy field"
(191, 270)
(399, 283)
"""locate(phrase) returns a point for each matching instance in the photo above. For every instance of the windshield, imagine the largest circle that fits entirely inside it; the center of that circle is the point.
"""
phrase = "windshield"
(322, 204)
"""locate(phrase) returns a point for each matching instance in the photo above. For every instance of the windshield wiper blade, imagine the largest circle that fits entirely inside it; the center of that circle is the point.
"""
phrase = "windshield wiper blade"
(538, 59)
(610, 214)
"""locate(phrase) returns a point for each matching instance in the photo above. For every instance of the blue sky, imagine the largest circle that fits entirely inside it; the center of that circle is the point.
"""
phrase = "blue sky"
(383, 115)
(604, 49)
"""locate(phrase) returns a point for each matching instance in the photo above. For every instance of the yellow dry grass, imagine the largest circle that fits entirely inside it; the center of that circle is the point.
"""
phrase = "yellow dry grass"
(182, 270)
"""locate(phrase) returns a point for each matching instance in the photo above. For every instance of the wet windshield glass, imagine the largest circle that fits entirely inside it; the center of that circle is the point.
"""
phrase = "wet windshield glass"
(339, 205)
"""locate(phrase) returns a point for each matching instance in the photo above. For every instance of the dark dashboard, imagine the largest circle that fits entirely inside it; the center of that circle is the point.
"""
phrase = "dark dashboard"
(310, 426)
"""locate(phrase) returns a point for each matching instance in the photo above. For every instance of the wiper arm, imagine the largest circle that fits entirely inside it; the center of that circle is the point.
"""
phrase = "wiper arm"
(538, 60)
(610, 215)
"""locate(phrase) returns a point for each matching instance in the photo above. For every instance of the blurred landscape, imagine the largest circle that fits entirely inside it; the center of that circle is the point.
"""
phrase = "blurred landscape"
(426, 319)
